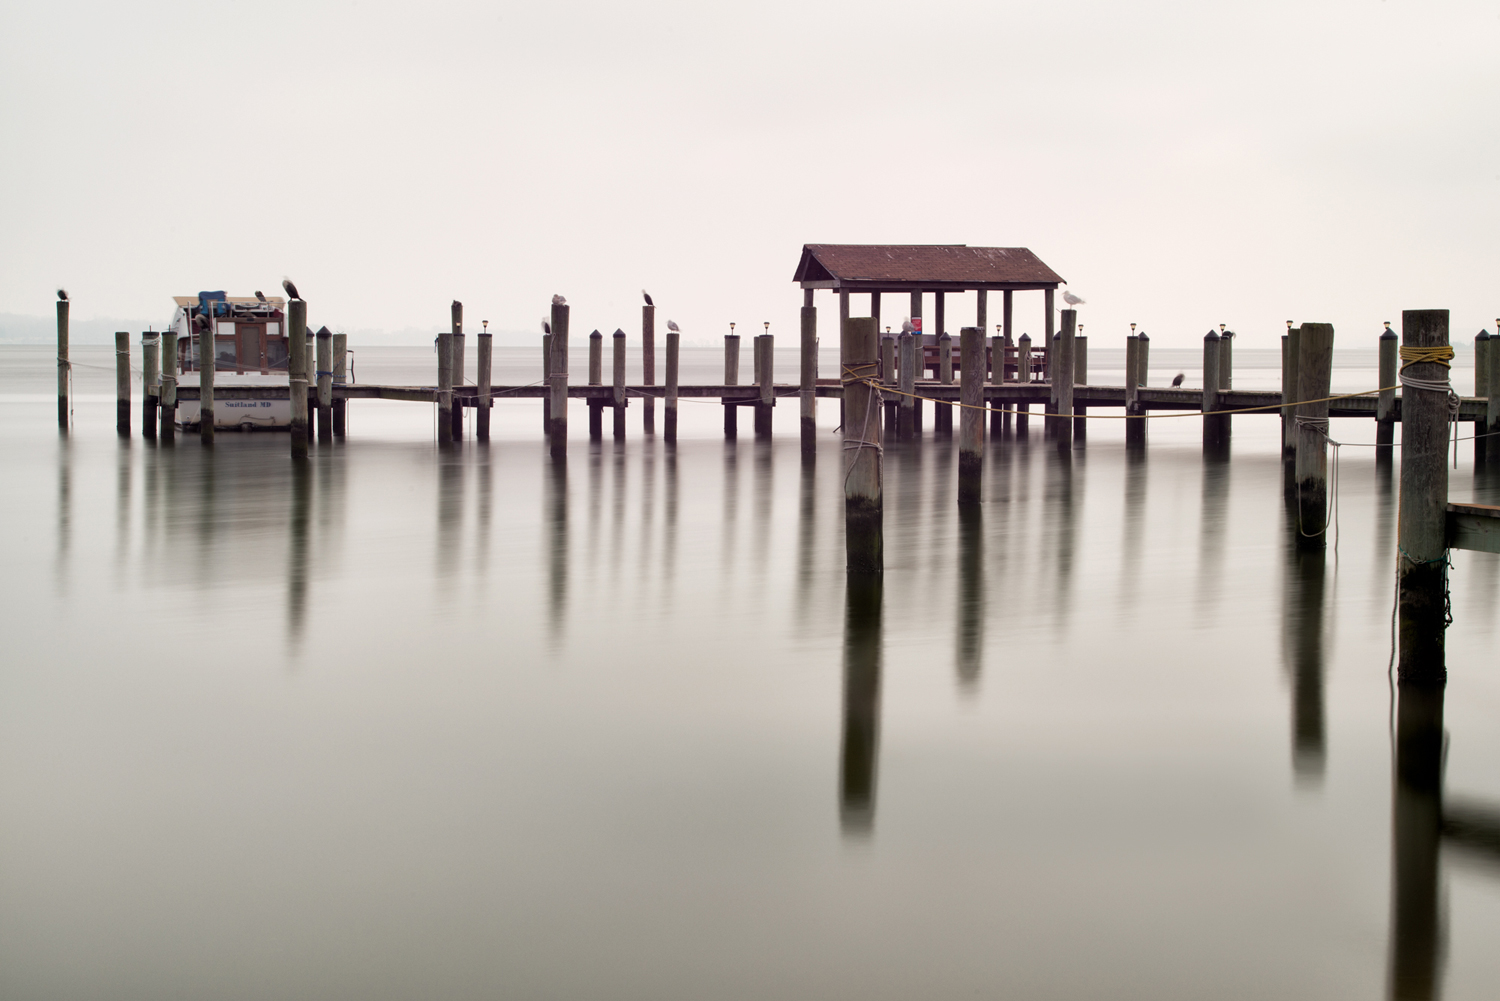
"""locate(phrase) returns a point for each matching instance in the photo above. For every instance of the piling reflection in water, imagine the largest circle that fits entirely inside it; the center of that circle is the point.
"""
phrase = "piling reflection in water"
(969, 648)
(1062, 471)
(556, 513)
(1134, 527)
(1212, 530)
(1302, 655)
(297, 553)
(450, 501)
(1416, 936)
(858, 769)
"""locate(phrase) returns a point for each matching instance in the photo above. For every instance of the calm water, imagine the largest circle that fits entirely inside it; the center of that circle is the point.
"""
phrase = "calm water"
(467, 724)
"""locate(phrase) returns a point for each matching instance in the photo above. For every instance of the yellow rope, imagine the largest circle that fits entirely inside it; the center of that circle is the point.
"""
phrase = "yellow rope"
(1439, 355)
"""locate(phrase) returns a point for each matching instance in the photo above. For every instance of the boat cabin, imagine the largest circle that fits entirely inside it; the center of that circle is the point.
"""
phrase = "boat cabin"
(249, 332)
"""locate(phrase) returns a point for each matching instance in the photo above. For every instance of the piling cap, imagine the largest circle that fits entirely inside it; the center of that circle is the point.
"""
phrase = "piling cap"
(1143, 336)
(595, 334)
(1212, 335)
(1387, 333)
(1483, 335)
(619, 332)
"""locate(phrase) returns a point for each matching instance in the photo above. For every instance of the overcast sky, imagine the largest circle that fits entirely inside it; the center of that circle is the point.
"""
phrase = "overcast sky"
(1180, 164)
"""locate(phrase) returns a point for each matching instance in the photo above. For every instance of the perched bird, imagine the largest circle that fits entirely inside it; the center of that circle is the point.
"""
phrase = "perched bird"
(259, 295)
(62, 295)
(291, 290)
(672, 326)
(200, 322)
(546, 327)
(457, 303)
(558, 300)
(1177, 380)
(648, 297)
(906, 327)
(1071, 299)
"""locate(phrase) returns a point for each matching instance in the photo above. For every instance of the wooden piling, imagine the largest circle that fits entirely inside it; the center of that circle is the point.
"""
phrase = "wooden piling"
(648, 367)
(168, 401)
(64, 367)
(557, 437)
(122, 383)
(910, 346)
(341, 377)
(325, 385)
(1226, 378)
(1290, 380)
(1210, 401)
(1143, 360)
(596, 378)
(617, 357)
(859, 340)
(1492, 406)
(485, 375)
(458, 364)
(732, 378)
(1135, 423)
(997, 378)
(207, 365)
(547, 382)
(942, 413)
(1064, 379)
(445, 388)
(296, 374)
(1023, 377)
(971, 416)
(1385, 406)
(808, 382)
(765, 379)
(1483, 346)
(939, 329)
(889, 377)
(1314, 374)
(670, 408)
(1422, 553)
(1080, 378)
(150, 382)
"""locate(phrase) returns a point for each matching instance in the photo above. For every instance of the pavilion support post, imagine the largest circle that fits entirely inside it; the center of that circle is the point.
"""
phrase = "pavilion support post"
(122, 383)
(981, 315)
(808, 382)
(64, 368)
(1290, 363)
(445, 388)
(906, 420)
(557, 377)
(1314, 373)
(1492, 403)
(1007, 313)
(942, 413)
(669, 408)
(940, 327)
(617, 357)
(875, 309)
(482, 380)
(1385, 406)
(458, 370)
(648, 367)
(596, 378)
(1422, 550)
(1064, 380)
(325, 384)
(731, 378)
(1023, 375)
(971, 416)
(1212, 435)
(1050, 365)
(863, 544)
(889, 376)
(1081, 378)
(296, 374)
(150, 382)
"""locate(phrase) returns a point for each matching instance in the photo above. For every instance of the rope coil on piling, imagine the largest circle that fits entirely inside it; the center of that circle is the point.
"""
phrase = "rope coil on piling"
(1441, 354)
(855, 444)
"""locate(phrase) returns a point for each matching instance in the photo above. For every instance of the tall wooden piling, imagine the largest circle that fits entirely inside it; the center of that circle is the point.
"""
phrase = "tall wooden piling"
(458, 363)
(207, 365)
(1081, 378)
(971, 415)
(547, 383)
(1023, 377)
(1483, 346)
(1064, 378)
(648, 367)
(325, 384)
(1290, 360)
(1422, 553)
(732, 378)
(910, 347)
(889, 377)
(1212, 434)
(1143, 361)
(670, 408)
(1135, 423)
(445, 388)
(808, 381)
(64, 368)
(1492, 405)
(1385, 405)
(296, 374)
(150, 382)
(942, 413)
(1314, 375)
(557, 432)
(596, 378)
(122, 383)
(484, 375)
(617, 358)
(863, 544)
(168, 400)
(341, 378)
(765, 379)
(1226, 377)
(997, 378)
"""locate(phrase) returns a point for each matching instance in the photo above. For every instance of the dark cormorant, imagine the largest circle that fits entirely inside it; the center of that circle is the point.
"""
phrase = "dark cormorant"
(62, 295)
(648, 297)
(291, 290)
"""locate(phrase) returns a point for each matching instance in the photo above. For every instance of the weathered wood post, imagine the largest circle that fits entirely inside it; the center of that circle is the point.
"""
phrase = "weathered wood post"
(485, 375)
(942, 413)
(670, 408)
(906, 413)
(122, 383)
(1483, 345)
(64, 368)
(889, 376)
(1023, 378)
(808, 383)
(596, 378)
(1314, 372)
(1210, 400)
(296, 374)
(557, 377)
(1385, 406)
(765, 379)
(1064, 379)
(731, 378)
(340, 379)
(445, 388)
(971, 415)
(1049, 366)
(547, 379)
(617, 358)
(458, 373)
(168, 385)
(940, 328)
(1135, 423)
(325, 385)
(1143, 362)
(1492, 406)
(150, 382)
(207, 364)
(1226, 379)
(1081, 378)
(1421, 531)
(648, 367)
(1290, 360)
(863, 544)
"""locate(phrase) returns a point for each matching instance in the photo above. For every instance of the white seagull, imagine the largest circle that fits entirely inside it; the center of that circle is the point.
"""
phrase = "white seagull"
(906, 327)
(1071, 299)
(558, 300)
(672, 326)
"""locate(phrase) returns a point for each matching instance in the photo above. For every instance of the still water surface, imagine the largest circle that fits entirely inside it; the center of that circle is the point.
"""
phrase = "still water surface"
(472, 724)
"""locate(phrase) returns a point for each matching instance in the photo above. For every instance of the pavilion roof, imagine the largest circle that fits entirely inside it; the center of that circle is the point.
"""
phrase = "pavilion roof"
(952, 267)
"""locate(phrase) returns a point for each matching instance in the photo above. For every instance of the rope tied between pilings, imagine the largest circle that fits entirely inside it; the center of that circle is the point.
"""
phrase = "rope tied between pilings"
(1437, 355)
(851, 377)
